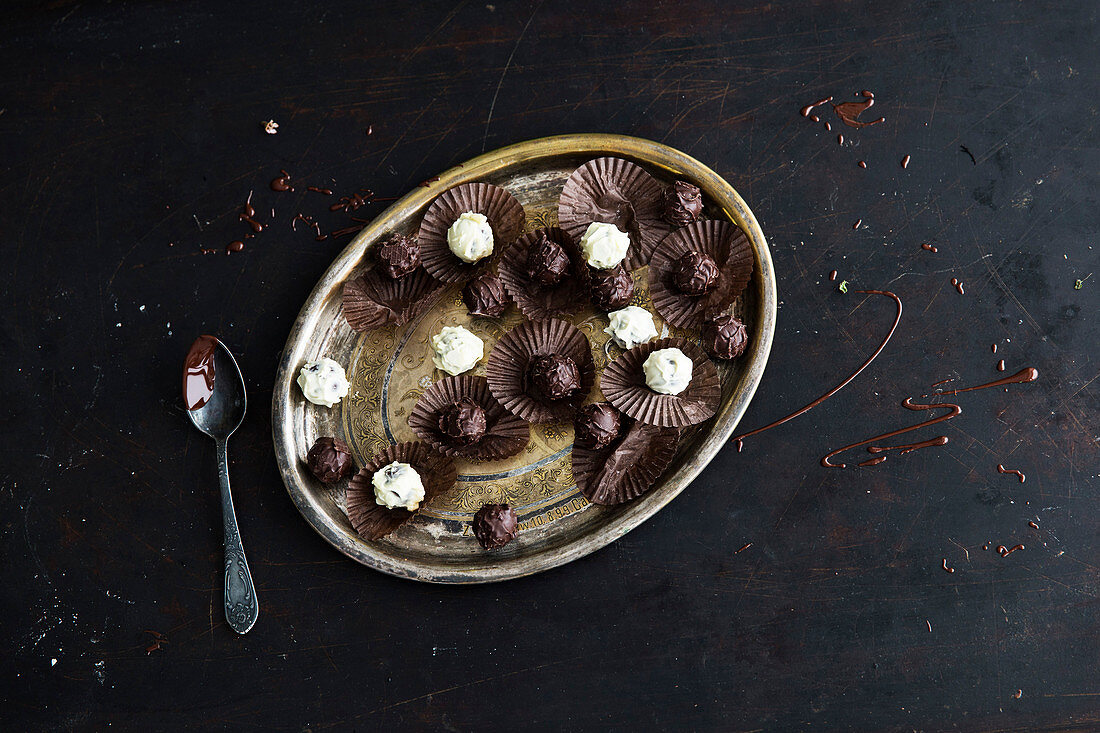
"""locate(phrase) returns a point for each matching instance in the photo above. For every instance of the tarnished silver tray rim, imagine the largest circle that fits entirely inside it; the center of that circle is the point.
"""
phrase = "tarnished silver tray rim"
(647, 152)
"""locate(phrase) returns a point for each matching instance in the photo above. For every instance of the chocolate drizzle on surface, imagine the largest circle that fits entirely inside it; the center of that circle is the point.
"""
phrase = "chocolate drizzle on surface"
(1006, 551)
(248, 216)
(1018, 474)
(929, 248)
(858, 222)
(910, 447)
(282, 183)
(322, 191)
(897, 318)
(958, 285)
(309, 221)
(357, 200)
(198, 372)
(805, 111)
(849, 112)
(905, 161)
(862, 164)
(908, 404)
(832, 275)
(945, 566)
(1027, 374)
(1001, 365)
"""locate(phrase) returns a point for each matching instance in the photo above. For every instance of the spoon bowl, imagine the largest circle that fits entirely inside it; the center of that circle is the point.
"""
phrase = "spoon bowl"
(224, 412)
(219, 414)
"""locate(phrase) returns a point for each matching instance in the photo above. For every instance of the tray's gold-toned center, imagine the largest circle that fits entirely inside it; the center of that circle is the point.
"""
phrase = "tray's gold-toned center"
(391, 368)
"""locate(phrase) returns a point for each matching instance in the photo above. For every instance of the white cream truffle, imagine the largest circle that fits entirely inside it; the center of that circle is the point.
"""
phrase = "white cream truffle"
(631, 326)
(470, 237)
(667, 371)
(456, 350)
(398, 486)
(603, 245)
(323, 382)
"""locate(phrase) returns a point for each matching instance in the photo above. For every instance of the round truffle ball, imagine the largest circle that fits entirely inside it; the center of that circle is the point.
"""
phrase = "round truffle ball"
(610, 289)
(597, 425)
(695, 274)
(329, 460)
(725, 337)
(470, 238)
(683, 203)
(552, 377)
(462, 422)
(547, 262)
(399, 256)
(484, 296)
(495, 525)
(667, 371)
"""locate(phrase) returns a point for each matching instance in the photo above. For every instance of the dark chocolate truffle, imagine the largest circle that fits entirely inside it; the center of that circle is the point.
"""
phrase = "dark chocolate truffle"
(484, 296)
(683, 203)
(695, 274)
(330, 460)
(399, 256)
(597, 425)
(724, 337)
(547, 262)
(611, 289)
(462, 422)
(495, 525)
(552, 377)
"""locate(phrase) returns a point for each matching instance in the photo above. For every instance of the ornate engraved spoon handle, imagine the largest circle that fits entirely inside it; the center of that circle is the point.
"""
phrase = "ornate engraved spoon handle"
(241, 607)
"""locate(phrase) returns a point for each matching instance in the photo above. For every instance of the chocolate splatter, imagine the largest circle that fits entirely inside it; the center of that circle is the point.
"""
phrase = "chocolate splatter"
(849, 112)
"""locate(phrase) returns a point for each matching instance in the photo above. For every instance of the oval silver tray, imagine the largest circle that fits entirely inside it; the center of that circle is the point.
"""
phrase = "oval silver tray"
(389, 368)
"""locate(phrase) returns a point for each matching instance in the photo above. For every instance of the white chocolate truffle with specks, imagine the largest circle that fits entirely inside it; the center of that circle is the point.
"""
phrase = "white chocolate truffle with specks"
(631, 326)
(398, 486)
(456, 350)
(667, 371)
(323, 382)
(603, 245)
(470, 237)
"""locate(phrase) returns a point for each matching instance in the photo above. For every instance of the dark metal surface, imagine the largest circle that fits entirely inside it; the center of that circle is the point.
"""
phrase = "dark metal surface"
(125, 129)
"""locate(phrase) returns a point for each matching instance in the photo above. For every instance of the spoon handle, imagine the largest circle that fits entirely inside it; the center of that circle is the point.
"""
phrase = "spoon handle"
(241, 606)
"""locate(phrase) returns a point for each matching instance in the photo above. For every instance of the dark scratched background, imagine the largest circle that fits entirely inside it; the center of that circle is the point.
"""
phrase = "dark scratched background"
(130, 137)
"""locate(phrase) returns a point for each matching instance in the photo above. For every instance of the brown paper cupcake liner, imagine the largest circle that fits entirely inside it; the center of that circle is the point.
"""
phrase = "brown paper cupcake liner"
(508, 361)
(372, 520)
(623, 383)
(505, 216)
(505, 434)
(535, 300)
(626, 469)
(615, 191)
(373, 300)
(726, 244)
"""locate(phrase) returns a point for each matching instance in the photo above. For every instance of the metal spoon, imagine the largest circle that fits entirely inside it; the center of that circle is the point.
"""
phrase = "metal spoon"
(219, 418)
